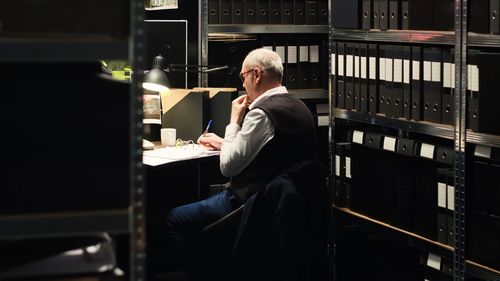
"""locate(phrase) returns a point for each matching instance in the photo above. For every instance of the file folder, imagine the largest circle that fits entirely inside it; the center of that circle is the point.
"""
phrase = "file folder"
(311, 10)
(389, 80)
(263, 11)
(384, 14)
(373, 140)
(432, 84)
(250, 11)
(444, 155)
(472, 90)
(376, 14)
(323, 12)
(367, 17)
(225, 15)
(395, 14)
(416, 14)
(299, 15)
(397, 91)
(364, 77)
(291, 64)
(274, 11)
(346, 14)
(213, 12)
(373, 88)
(340, 89)
(385, 70)
(406, 147)
(349, 76)
(407, 82)
(357, 78)
(448, 108)
(303, 70)
(314, 66)
(238, 12)
(287, 11)
(493, 16)
(416, 83)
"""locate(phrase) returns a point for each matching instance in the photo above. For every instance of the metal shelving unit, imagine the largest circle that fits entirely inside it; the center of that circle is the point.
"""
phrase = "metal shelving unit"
(267, 28)
(398, 36)
(484, 139)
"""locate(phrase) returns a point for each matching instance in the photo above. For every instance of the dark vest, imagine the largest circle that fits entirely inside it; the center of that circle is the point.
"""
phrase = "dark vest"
(294, 140)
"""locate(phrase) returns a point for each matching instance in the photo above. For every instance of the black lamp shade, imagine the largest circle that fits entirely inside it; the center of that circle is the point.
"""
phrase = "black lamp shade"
(156, 79)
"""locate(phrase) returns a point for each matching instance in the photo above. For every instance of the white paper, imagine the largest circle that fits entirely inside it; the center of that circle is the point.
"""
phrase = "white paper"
(398, 70)
(323, 121)
(292, 54)
(389, 143)
(332, 66)
(340, 65)
(388, 70)
(415, 70)
(441, 195)
(349, 66)
(155, 161)
(348, 167)
(482, 151)
(314, 53)
(337, 165)
(427, 150)
(356, 66)
(363, 67)
(304, 54)
(451, 197)
(357, 137)
(381, 70)
(434, 261)
(373, 68)
(186, 152)
(427, 71)
(447, 75)
(406, 71)
(436, 71)
(281, 52)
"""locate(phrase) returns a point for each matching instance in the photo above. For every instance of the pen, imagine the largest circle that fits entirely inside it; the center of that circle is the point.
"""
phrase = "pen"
(208, 127)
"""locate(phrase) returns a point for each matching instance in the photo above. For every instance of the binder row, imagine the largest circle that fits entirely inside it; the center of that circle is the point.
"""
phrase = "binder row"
(395, 180)
(311, 12)
(483, 210)
(303, 58)
(414, 83)
(394, 14)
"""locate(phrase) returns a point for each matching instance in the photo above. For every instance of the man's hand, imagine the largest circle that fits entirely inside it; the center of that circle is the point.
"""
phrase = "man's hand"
(238, 109)
(210, 141)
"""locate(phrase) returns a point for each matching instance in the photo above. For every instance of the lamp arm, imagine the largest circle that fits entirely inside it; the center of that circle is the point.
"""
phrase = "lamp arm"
(198, 68)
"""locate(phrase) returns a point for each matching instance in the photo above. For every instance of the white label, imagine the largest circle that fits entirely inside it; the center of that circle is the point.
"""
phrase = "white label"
(304, 54)
(356, 66)
(416, 70)
(292, 54)
(348, 167)
(281, 52)
(434, 261)
(475, 78)
(390, 143)
(340, 65)
(388, 70)
(323, 121)
(482, 151)
(406, 71)
(314, 53)
(322, 108)
(337, 165)
(451, 197)
(357, 137)
(453, 75)
(441, 195)
(469, 77)
(436, 71)
(363, 67)
(427, 71)
(427, 150)
(447, 75)
(398, 70)
(373, 68)
(349, 68)
(381, 70)
(268, 47)
(332, 65)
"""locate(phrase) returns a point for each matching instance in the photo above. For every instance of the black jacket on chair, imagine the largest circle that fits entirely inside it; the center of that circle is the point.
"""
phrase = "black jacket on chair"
(283, 229)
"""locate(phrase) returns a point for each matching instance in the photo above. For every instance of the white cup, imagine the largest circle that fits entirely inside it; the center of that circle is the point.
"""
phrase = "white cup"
(168, 136)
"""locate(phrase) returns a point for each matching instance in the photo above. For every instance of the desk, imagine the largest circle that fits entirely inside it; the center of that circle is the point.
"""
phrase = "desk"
(172, 183)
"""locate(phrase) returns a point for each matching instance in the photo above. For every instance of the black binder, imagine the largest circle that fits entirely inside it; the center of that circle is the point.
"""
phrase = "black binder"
(384, 14)
(395, 14)
(349, 76)
(213, 11)
(398, 75)
(407, 82)
(432, 84)
(314, 66)
(389, 80)
(479, 16)
(382, 92)
(292, 75)
(416, 14)
(443, 15)
(323, 12)
(342, 174)
(250, 11)
(287, 11)
(487, 99)
(340, 74)
(373, 68)
(357, 78)
(364, 78)
(303, 70)
(225, 15)
(450, 206)
(237, 10)
(333, 72)
(416, 83)
(274, 11)
(262, 11)
(493, 16)
(448, 108)
(376, 14)
(299, 15)
(311, 10)
(472, 91)
(346, 14)
(367, 17)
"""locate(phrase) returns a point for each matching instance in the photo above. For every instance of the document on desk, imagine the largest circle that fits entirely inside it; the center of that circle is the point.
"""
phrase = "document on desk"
(171, 154)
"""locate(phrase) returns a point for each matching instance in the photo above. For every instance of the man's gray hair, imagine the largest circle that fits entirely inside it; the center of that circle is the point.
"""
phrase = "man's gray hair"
(266, 60)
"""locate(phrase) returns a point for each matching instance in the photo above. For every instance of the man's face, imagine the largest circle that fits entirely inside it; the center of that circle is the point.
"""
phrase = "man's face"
(247, 76)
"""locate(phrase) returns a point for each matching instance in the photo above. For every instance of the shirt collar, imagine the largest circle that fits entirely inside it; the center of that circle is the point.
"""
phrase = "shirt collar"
(271, 92)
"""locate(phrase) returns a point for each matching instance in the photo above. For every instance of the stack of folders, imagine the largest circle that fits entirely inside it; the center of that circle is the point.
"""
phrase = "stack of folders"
(483, 211)
(311, 12)
(391, 179)
(303, 59)
(414, 83)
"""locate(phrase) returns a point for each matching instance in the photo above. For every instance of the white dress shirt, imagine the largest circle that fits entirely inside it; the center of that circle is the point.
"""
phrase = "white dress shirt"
(242, 144)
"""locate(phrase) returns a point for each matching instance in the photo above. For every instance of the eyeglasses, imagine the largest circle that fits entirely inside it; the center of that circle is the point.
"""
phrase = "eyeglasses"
(243, 76)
